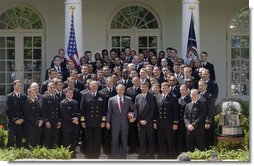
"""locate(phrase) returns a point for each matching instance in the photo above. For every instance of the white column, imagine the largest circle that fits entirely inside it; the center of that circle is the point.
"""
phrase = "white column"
(187, 6)
(76, 5)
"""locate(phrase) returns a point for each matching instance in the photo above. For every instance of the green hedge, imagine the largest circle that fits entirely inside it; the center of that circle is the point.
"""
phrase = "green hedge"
(35, 153)
(3, 138)
(223, 154)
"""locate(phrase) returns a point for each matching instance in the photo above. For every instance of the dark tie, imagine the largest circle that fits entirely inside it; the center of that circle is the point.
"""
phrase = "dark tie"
(120, 104)
(193, 105)
(18, 95)
(94, 95)
(110, 90)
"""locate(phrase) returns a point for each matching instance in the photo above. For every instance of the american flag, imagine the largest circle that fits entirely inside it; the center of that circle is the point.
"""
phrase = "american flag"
(72, 51)
(192, 53)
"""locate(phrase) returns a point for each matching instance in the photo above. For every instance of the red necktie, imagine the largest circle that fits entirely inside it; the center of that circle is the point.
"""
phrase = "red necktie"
(121, 104)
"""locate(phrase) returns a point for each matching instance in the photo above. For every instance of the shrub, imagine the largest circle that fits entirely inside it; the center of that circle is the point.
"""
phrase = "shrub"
(35, 153)
(3, 119)
(223, 153)
(3, 138)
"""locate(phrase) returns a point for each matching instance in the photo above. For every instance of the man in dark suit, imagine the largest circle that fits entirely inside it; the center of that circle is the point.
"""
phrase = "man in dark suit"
(109, 91)
(118, 118)
(209, 101)
(76, 91)
(207, 65)
(93, 110)
(125, 80)
(194, 119)
(174, 88)
(14, 101)
(33, 119)
(181, 132)
(70, 113)
(133, 139)
(52, 73)
(59, 65)
(145, 104)
(59, 89)
(49, 104)
(212, 86)
(167, 121)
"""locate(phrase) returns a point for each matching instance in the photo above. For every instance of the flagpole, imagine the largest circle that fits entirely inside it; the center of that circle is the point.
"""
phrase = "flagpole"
(75, 5)
(188, 5)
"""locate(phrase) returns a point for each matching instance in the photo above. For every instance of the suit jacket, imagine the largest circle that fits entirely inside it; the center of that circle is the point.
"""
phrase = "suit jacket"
(168, 109)
(209, 101)
(60, 96)
(69, 110)
(210, 67)
(145, 109)
(32, 115)
(44, 87)
(14, 107)
(212, 87)
(182, 104)
(127, 84)
(93, 109)
(132, 93)
(176, 91)
(119, 120)
(50, 109)
(79, 85)
(107, 94)
(195, 115)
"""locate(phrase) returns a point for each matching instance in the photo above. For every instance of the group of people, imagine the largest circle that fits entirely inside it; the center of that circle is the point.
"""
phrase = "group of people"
(123, 102)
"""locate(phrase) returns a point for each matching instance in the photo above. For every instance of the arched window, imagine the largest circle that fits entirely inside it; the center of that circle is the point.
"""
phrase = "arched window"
(22, 50)
(239, 66)
(134, 17)
(20, 17)
(135, 26)
(240, 20)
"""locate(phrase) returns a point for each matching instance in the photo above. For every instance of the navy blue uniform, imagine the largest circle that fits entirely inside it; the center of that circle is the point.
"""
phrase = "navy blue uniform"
(14, 112)
(93, 109)
(167, 116)
(32, 115)
(69, 110)
(50, 113)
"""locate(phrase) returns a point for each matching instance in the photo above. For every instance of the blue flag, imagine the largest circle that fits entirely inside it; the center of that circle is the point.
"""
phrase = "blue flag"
(72, 51)
(192, 53)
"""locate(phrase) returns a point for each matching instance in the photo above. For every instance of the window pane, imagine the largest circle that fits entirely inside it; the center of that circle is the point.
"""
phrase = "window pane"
(2, 53)
(27, 65)
(10, 54)
(2, 42)
(2, 77)
(37, 65)
(245, 41)
(27, 42)
(37, 77)
(236, 41)
(10, 65)
(2, 90)
(142, 41)
(152, 41)
(37, 41)
(37, 53)
(245, 53)
(27, 53)
(235, 53)
(2, 66)
(125, 41)
(10, 77)
(10, 42)
(115, 41)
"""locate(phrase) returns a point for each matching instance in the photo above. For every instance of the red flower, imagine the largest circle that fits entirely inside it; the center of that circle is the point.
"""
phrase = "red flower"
(1, 126)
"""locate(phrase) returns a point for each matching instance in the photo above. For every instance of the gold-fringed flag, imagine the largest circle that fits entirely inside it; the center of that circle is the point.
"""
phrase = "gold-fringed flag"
(72, 52)
(192, 53)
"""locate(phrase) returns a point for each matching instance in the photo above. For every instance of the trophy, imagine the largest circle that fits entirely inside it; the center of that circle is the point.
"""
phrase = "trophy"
(231, 120)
